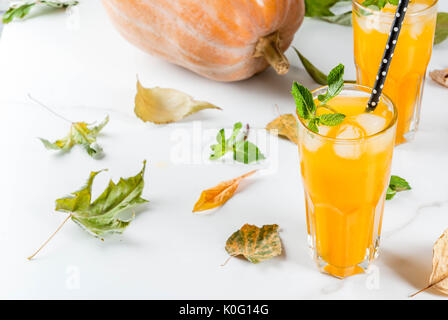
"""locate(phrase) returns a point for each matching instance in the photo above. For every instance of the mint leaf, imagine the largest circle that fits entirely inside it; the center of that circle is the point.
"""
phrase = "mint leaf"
(306, 108)
(396, 184)
(399, 184)
(335, 84)
(313, 125)
(243, 151)
(218, 150)
(246, 152)
(380, 4)
(304, 101)
(331, 119)
(390, 193)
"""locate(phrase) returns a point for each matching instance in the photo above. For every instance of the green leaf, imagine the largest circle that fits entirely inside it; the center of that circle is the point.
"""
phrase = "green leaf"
(380, 4)
(341, 13)
(331, 119)
(335, 84)
(103, 215)
(254, 243)
(18, 12)
(319, 8)
(343, 19)
(313, 125)
(246, 152)
(22, 10)
(314, 72)
(441, 27)
(396, 184)
(390, 193)
(243, 151)
(399, 184)
(304, 101)
(80, 133)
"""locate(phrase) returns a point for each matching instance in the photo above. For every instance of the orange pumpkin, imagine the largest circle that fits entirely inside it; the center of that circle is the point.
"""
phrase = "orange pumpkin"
(225, 40)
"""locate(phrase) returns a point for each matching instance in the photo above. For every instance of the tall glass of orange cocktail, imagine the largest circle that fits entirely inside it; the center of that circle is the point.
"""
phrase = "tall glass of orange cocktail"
(406, 77)
(346, 171)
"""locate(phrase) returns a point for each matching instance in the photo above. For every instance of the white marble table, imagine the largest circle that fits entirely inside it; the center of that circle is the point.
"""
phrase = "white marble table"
(85, 70)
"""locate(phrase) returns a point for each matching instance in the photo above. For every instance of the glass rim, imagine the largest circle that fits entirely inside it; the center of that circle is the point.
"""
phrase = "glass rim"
(391, 14)
(348, 86)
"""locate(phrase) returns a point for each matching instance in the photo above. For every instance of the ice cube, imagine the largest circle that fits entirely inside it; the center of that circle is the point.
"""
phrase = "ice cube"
(374, 22)
(370, 123)
(381, 142)
(349, 149)
(416, 7)
(312, 141)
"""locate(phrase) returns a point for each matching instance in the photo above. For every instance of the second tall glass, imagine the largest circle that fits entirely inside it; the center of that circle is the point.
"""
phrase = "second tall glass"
(405, 81)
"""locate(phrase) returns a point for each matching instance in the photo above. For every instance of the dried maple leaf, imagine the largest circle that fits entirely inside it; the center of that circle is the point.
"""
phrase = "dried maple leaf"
(102, 216)
(286, 125)
(255, 244)
(440, 76)
(218, 195)
(164, 105)
(439, 275)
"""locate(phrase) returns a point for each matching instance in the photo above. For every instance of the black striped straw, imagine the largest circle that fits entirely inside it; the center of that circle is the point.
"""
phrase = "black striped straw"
(388, 54)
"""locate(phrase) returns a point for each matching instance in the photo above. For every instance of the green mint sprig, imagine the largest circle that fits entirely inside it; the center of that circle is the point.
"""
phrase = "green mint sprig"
(379, 4)
(22, 10)
(306, 108)
(396, 184)
(243, 151)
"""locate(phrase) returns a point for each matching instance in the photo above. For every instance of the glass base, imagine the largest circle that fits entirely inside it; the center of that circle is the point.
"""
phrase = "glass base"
(342, 272)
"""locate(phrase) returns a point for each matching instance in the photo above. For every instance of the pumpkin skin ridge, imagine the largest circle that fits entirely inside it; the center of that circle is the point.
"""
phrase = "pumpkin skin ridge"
(205, 71)
(211, 14)
(195, 53)
(188, 55)
(195, 32)
(191, 58)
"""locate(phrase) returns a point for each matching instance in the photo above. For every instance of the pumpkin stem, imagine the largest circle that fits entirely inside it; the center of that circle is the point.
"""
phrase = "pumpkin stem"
(268, 47)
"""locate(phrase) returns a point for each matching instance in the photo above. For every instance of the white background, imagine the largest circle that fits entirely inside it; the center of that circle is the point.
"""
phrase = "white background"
(84, 70)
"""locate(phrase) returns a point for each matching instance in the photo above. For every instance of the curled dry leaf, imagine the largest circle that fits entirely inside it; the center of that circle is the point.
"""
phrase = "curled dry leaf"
(439, 275)
(80, 133)
(255, 244)
(440, 76)
(164, 105)
(286, 125)
(218, 195)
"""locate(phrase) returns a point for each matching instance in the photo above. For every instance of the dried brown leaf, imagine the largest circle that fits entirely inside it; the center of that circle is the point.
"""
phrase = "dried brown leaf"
(255, 244)
(164, 105)
(218, 195)
(286, 125)
(440, 76)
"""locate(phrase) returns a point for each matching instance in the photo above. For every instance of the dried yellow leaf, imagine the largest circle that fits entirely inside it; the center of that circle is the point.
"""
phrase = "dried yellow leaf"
(164, 105)
(439, 275)
(440, 76)
(218, 195)
(286, 125)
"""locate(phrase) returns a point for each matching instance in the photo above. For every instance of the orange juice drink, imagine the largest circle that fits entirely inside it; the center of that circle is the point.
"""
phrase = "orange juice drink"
(406, 77)
(346, 172)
